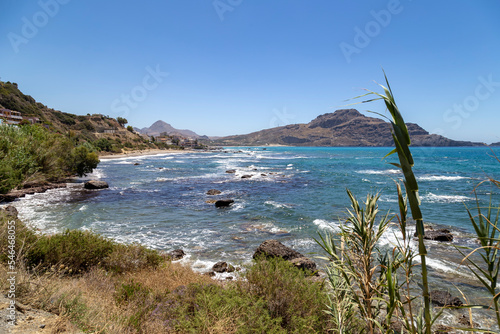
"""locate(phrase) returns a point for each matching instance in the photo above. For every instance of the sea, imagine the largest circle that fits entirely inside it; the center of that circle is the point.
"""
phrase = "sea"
(293, 195)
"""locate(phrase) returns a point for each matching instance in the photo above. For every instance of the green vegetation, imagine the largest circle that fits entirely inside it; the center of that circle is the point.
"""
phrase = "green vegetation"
(32, 153)
(487, 267)
(107, 287)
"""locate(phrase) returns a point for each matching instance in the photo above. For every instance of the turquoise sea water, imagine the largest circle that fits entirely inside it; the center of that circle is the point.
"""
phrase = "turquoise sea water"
(293, 193)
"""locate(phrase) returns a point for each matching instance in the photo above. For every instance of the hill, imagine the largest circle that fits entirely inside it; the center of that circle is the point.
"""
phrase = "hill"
(345, 127)
(160, 127)
(104, 132)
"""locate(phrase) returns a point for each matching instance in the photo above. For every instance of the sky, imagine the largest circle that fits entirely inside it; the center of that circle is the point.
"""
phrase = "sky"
(224, 67)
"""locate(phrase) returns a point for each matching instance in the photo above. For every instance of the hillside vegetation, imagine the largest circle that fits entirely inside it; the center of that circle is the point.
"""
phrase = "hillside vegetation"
(103, 132)
(60, 145)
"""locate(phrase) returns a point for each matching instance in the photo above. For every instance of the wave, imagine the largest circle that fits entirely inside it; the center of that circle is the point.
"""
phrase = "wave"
(379, 172)
(433, 198)
(278, 205)
(326, 225)
(441, 178)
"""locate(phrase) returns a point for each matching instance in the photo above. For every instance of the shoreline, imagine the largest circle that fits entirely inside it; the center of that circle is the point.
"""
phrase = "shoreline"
(138, 153)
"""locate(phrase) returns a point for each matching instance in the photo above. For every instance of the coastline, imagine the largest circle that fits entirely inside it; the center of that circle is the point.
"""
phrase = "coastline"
(138, 153)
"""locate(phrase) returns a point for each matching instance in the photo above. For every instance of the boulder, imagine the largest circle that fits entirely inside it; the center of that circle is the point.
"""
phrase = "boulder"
(223, 267)
(11, 211)
(93, 184)
(442, 235)
(176, 254)
(274, 248)
(444, 298)
(223, 203)
(246, 176)
(214, 192)
(231, 171)
(304, 263)
(136, 164)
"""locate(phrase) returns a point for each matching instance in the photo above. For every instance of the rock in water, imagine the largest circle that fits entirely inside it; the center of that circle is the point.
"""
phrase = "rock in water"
(223, 267)
(11, 211)
(93, 184)
(274, 248)
(246, 176)
(444, 298)
(214, 192)
(231, 171)
(443, 235)
(223, 203)
(177, 254)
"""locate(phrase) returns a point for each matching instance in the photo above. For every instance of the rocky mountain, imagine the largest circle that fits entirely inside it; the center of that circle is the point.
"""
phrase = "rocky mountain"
(345, 127)
(159, 127)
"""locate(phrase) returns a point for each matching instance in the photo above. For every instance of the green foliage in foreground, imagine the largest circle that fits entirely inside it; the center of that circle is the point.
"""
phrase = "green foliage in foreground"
(74, 251)
(275, 298)
(31, 152)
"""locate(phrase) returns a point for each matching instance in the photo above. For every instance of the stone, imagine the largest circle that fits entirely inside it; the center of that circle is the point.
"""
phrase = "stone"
(212, 192)
(246, 176)
(177, 254)
(304, 263)
(231, 171)
(223, 203)
(136, 164)
(444, 298)
(11, 211)
(211, 201)
(223, 267)
(442, 235)
(93, 184)
(273, 248)
(210, 273)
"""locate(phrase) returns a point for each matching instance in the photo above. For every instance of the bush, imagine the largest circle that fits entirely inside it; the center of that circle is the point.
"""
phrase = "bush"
(103, 144)
(74, 249)
(290, 296)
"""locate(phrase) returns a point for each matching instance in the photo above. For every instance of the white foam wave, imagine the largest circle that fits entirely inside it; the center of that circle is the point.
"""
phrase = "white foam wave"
(433, 198)
(278, 205)
(326, 225)
(379, 172)
(441, 178)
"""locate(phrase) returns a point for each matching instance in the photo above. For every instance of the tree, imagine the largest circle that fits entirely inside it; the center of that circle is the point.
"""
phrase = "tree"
(130, 128)
(122, 121)
(84, 160)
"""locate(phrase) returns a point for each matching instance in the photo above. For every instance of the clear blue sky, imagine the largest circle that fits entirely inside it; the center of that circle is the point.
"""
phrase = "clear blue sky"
(237, 66)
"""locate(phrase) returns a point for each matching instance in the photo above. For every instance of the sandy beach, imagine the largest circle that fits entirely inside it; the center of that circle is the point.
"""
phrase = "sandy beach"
(136, 153)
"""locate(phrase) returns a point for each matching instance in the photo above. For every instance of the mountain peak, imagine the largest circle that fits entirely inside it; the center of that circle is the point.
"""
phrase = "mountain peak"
(330, 120)
(160, 127)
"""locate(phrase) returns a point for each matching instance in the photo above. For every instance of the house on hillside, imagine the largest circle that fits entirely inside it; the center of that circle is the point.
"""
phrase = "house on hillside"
(10, 116)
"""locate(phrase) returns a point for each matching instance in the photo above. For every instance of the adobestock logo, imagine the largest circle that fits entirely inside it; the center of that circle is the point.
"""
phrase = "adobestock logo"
(223, 6)
(281, 118)
(363, 37)
(30, 28)
(471, 103)
(139, 93)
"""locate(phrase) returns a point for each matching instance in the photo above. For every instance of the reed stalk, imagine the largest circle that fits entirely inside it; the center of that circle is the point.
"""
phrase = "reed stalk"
(402, 143)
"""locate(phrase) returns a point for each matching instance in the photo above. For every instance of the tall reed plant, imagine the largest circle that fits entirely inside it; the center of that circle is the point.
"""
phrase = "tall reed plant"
(402, 143)
(485, 220)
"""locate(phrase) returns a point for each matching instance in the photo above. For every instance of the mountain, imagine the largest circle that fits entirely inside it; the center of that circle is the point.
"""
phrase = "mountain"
(159, 127)
(345, 127)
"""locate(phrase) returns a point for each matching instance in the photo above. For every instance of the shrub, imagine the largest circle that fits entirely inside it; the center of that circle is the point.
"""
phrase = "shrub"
(289, 295)
(74, 249)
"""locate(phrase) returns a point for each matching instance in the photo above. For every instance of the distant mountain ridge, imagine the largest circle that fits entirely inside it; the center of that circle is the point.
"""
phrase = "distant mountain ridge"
(160, 127)
(345, 127)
